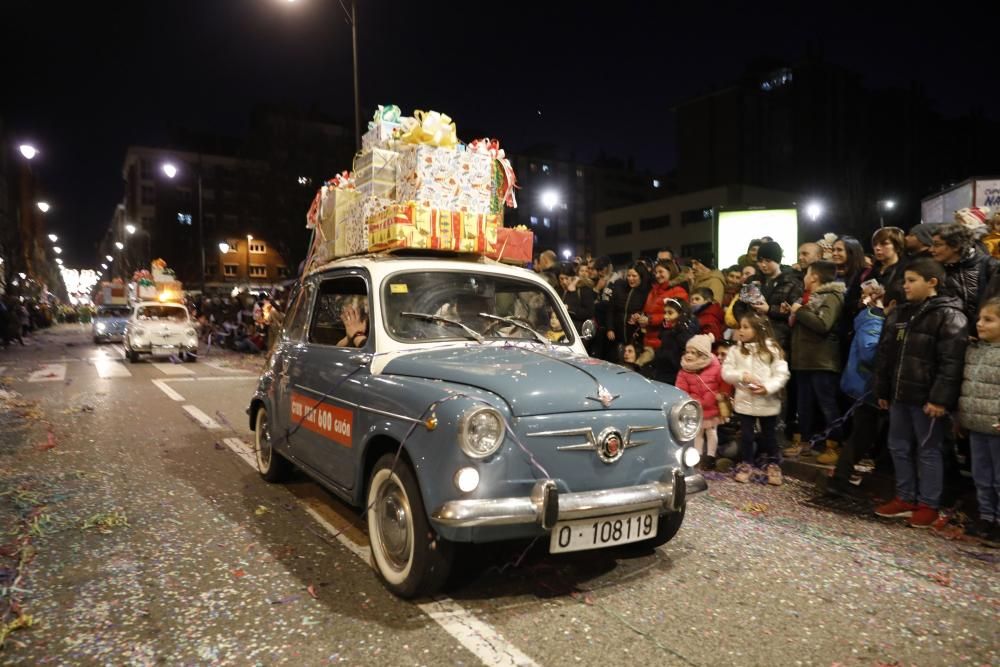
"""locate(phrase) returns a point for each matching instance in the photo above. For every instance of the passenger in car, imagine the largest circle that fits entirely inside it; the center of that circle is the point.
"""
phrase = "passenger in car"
(356, 327)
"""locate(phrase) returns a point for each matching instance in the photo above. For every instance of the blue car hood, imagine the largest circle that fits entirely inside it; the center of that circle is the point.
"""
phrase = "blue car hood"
(536, 381)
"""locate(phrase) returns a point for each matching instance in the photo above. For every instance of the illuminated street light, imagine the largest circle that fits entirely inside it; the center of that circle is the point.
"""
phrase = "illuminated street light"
(119, 245)
(169, 169)
(814, 210)
(889, 204)
(28, 151)
(109, 258)
(104, 266)
(224, 247)
(884, 206)
(53, 238)
(550, 199)
(58, 261)
(567, 253)
(43, 206)
(22, 275)
(130, 228)
(57, 250)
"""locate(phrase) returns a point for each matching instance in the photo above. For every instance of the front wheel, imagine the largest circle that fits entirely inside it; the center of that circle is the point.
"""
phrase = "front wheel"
(409, 556)
(273, 467)
(133, 357)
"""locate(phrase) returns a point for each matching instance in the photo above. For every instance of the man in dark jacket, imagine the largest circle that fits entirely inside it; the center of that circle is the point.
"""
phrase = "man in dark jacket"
(779, 288)
(918, 378)
(968, 270)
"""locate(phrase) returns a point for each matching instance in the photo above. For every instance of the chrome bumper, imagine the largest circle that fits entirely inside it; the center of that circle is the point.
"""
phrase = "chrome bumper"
(545, 506)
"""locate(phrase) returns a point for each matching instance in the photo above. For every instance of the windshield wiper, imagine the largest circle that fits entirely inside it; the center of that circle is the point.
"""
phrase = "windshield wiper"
(427, 317)
(519, 324)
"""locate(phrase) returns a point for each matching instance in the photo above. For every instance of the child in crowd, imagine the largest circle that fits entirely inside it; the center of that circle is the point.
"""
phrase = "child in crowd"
(979, 412)
(700, 376)
(679, 325)
(816, 354)
(918, 379)
(759, 372)
(711, 319)
(555, 332)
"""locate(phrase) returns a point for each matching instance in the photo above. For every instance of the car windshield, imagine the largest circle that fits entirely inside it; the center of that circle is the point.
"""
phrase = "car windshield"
(418, 304)
(172, 313)
(120, 311)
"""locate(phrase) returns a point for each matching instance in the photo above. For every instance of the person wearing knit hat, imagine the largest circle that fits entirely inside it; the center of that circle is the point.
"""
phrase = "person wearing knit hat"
(919, 240)
(701, 377)
(779, 288)
(770, 250)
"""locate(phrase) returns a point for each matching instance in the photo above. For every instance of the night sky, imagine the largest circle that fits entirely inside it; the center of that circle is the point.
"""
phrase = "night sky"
(86, 79)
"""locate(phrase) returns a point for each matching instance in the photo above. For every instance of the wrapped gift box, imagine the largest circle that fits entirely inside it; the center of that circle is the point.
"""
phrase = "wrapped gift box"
(411, 225)
(445, 179)
(334, 205)
(375, 172)
(146, 291)
(474, 172)
(514, 246)
(351, 236)
(380, 134)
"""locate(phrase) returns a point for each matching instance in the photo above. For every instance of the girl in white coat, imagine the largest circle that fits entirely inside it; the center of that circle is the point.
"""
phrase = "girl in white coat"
(758, 371)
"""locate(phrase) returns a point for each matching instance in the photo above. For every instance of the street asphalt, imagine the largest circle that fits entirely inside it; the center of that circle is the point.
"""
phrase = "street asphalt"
(133, 530)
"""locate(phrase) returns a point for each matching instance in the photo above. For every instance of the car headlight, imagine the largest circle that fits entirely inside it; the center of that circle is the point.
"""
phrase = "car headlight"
(101, 327)
(685, 420)
(480, 432)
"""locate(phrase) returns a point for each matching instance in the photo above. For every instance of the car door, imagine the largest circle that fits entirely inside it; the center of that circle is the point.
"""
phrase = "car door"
(327, 379)
(285, 355)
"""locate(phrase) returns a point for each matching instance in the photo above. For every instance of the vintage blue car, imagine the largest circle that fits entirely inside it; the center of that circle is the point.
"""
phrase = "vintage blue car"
(109, 323)
(453, 401)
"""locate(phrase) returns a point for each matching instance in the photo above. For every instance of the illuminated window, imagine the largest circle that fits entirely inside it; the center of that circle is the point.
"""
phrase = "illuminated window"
(258, 271)
(258, 247)
(546, 169)
(534, 219)
(656, 182)
(184, 219)
(229, 269)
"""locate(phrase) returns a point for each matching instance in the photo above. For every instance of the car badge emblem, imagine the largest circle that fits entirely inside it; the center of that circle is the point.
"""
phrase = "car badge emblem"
(610, 447)
(604, 397)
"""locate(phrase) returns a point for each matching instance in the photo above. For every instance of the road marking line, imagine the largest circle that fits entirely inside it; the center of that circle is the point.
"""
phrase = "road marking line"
(203, 420)
(49, 373)
(162, 386)
(210, 378)
(111, 368)
(242, 450)
(478, 637)
(172, 369)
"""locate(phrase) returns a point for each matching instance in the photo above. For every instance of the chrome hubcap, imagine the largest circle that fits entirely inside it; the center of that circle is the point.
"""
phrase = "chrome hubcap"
(393, 516)
(264, 444)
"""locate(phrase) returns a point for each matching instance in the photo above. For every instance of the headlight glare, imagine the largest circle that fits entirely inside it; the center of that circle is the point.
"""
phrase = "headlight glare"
(685, 420)
(480, 432)
(467, 479)
(691, 457)
(101, 326)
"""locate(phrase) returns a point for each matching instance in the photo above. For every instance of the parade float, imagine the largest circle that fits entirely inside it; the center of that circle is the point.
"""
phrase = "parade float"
(414, 185)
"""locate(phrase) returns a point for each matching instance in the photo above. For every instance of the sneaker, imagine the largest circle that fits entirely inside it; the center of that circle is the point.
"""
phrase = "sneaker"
(743, 472)
(923, 517)
(864, 465)
(792, 452)
(856, 479)
(895, 509)
(773, 474)
(829, 457)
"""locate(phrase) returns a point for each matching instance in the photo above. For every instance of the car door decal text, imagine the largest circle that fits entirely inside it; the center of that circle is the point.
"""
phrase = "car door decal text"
(327, 420)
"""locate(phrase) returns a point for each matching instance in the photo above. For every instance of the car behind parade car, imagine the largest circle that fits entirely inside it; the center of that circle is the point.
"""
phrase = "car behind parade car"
(441, 396)
(160, 328)
(109, 323)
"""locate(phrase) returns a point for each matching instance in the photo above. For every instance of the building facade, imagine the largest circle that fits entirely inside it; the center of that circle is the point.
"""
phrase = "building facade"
(683, 223)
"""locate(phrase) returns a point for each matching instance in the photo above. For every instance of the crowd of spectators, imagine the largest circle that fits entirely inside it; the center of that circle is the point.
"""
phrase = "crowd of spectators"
(887, 359)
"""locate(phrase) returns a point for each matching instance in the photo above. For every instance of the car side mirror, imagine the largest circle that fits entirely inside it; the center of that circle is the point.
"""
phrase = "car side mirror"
(587, 331)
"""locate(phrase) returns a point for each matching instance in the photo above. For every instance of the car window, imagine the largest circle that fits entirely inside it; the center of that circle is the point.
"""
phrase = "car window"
(169, 313)
(295, 321)
(336, 299)
(462, 296)
(123, 311)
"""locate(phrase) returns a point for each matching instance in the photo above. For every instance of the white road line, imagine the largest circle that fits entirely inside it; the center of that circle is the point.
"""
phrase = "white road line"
(162, 386)
(173, 369)
(49, 373)
(478, 637)
(210, 378)
(242, 450)
(203, 420)
(111, 368)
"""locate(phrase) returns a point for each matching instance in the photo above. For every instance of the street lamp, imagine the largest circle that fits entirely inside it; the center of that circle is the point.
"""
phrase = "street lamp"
(57, 250)
(224, 247)
(28, 151)
(53, 238)
(171, 171)
(59, 261)
(43, 206)
(814, 210)
(550, 199)
(119, 245)
(130, 228)
(109, 258)
(884, 205)
(104, 266)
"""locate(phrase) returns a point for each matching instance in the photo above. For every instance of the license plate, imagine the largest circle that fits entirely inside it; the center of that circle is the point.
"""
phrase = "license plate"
(164, 348)
(604, 531)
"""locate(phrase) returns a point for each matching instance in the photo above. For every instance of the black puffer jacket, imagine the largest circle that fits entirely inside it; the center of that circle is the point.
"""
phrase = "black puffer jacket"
(786, 287)
(625, 300)
(673, 340)
(921, 353)
(967, 279)
(580, 304)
